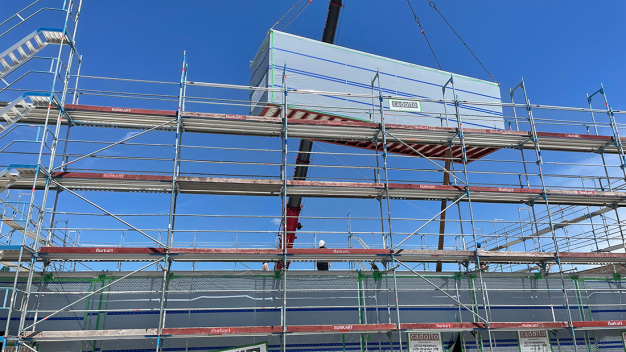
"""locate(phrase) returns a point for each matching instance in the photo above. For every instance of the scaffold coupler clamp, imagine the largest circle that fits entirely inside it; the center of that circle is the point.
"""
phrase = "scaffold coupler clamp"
(375, 138)
(456, 134)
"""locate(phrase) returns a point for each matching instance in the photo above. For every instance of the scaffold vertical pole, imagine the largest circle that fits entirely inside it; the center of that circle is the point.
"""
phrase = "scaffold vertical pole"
(377, 169)
(593, 228)
(539, 162)
(173, 201)
(380, 200)
(617, 142)
(383, 132)
(177, 150)
(514, 112)
(163, 301)
(461, 137)
(75, 95)
(283, 196)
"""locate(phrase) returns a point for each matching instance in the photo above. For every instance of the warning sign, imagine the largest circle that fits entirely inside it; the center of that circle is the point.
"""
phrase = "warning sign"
(534, 341)
(425, 342)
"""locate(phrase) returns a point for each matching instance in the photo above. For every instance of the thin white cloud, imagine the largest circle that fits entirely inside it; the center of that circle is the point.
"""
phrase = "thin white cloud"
(129, 134)
(276, 221)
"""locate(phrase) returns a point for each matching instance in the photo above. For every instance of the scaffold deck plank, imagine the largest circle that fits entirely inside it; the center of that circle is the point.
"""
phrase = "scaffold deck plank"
(343, 132)
(198, 332)
(308, 254)
(321, 189)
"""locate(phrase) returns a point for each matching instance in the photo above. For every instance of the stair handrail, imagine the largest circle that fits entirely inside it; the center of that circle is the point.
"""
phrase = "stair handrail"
(24, 19)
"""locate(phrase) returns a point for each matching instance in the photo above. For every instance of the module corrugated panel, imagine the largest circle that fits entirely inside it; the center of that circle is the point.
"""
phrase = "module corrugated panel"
(255, 298)
(313, 65)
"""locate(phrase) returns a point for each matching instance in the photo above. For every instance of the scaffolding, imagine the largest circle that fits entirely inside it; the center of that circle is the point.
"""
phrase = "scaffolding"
(120, 231)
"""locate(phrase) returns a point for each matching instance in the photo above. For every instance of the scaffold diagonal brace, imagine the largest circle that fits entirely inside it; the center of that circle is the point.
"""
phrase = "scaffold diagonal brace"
(108, 213)
(443, 291)
(92, 293)
(433, 218)
(114, 144)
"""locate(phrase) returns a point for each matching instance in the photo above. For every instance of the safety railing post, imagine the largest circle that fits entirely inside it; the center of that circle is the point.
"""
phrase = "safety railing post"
(539, 162)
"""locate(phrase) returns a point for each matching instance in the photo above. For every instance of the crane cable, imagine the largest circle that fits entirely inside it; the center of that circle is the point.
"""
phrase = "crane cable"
(432, 4)
(417, 20)
(285, 15)
(296, 15)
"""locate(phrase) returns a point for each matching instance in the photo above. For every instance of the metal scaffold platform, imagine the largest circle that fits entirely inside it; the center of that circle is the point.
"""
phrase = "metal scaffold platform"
(117, 236)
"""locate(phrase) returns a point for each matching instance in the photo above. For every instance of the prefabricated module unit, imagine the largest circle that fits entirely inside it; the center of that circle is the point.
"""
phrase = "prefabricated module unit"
(314, 65)
(332, 83)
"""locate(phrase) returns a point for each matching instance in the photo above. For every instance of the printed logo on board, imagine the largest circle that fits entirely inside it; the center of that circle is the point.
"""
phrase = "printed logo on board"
(405, 105)
(220, 331)
(113, 175)
(536, 333)
(342, 327)
(424, 337)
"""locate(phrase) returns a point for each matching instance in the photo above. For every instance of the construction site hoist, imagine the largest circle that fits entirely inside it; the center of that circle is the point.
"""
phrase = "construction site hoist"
(294, 205)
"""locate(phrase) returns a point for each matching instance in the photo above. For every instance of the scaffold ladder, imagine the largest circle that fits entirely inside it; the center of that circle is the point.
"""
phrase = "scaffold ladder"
(19, 107)
(20, 53)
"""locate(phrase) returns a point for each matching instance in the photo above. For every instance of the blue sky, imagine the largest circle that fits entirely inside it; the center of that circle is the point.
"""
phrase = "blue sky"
(563, 49)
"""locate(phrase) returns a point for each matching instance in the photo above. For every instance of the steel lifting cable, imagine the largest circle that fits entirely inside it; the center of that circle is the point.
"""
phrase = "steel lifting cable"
(297, 14)
(417, 20)
(285, 15)
(432, 4)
